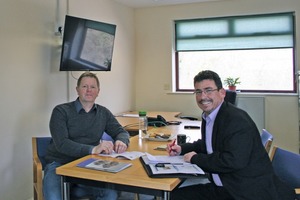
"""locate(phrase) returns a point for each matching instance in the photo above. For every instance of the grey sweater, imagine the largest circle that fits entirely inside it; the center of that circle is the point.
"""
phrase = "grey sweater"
(75, 132)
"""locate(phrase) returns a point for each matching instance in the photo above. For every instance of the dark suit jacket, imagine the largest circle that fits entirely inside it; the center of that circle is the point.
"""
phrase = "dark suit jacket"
(239, 158)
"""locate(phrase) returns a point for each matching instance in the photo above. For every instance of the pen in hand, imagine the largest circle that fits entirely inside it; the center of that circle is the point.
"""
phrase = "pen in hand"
(173, 143)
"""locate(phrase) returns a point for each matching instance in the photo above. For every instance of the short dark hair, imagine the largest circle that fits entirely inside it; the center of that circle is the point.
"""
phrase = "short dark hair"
(207, 74)
(88, 74)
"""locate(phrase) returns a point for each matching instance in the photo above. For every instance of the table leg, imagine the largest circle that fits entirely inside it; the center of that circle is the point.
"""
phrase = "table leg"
(166, 195)
(65, 189)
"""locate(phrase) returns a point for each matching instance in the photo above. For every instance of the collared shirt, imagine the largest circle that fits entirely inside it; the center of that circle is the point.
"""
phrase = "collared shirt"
(79, 107)
(210, 120)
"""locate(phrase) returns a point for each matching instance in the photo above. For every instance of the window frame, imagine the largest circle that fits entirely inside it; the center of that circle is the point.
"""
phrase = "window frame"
(293, 47)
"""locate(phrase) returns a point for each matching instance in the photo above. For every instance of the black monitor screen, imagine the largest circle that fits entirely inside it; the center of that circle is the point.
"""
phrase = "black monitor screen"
(87, 45)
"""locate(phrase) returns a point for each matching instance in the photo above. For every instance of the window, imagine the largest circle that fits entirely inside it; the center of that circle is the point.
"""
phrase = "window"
(259, 49)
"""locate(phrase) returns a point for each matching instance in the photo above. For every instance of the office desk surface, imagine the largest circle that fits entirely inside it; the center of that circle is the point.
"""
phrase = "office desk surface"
(134, 176)
(169, 116)
(131, 123)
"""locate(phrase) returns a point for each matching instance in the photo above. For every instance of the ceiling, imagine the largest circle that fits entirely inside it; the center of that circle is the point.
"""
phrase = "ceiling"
(151, 3)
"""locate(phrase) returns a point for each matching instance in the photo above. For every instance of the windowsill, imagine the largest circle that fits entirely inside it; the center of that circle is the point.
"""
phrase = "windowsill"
(241, 94)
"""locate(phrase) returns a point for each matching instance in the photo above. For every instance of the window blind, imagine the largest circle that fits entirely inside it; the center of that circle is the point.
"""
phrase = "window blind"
(241, 32)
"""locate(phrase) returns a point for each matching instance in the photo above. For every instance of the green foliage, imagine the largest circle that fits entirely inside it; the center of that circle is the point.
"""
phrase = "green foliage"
(232, 81)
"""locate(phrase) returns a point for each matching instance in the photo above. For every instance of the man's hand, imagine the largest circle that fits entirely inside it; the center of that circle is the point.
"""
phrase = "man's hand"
(173, 149)
(106, 147)
(187, 157)
(120, 146)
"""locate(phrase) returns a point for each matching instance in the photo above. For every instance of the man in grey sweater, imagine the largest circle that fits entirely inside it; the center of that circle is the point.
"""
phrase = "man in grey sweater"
(76, 129)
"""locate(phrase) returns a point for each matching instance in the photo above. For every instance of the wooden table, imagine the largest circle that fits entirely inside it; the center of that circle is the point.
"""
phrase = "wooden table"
(133, 179)
(131, 123)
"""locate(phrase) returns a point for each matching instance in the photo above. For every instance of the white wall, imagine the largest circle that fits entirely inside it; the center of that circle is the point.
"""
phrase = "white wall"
(154, 62)
(117, 89)
(31, 84)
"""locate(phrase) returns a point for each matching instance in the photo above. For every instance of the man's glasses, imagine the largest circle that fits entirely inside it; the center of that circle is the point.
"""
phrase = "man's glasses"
(206, 92)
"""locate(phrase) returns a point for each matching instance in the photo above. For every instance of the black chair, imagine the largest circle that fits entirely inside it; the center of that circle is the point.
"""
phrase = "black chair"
(230, 97)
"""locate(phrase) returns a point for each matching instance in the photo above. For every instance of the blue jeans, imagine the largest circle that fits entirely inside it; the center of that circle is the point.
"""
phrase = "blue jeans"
(52, 187)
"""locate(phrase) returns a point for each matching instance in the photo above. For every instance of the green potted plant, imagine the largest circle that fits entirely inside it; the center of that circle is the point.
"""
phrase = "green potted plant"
(232, 82)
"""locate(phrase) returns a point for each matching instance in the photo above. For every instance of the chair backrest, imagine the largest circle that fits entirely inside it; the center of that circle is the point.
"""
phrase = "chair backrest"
(230, 97)
(41, 148)
(105, 136)
(286, 166)
(266, 139)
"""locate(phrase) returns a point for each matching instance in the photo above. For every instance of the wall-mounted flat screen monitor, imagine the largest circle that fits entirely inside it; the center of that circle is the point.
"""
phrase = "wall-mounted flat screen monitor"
(87, 45)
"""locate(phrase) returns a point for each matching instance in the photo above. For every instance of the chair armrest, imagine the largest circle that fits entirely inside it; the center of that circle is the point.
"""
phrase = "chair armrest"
(37, 170)
(37, 163)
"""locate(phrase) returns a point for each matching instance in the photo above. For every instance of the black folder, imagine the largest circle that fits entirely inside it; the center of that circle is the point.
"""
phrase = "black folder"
(168, 175)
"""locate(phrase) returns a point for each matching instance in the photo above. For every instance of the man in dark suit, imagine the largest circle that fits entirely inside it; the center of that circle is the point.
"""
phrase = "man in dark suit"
(230, 151)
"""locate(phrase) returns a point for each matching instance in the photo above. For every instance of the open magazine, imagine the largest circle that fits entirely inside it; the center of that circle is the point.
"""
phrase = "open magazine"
(130, 155)
(104, 165)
